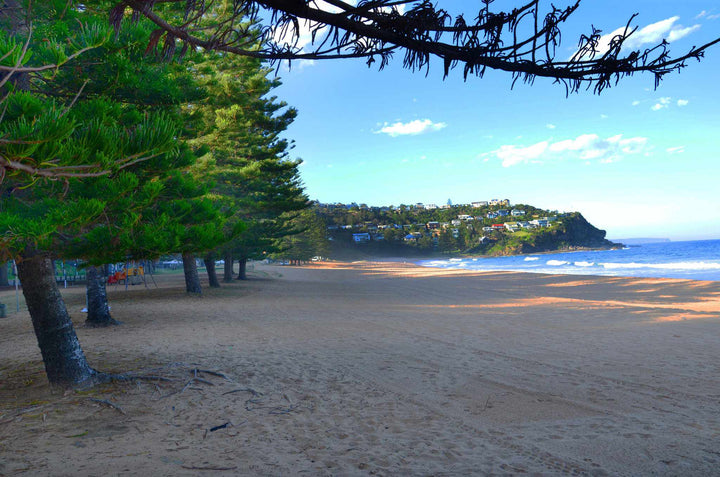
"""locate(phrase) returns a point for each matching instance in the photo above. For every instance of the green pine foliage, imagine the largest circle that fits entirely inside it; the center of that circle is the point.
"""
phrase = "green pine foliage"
(237, 128)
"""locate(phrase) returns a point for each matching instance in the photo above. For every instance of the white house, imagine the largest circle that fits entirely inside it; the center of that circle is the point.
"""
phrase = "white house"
(512, 226)
(477, 205)
(517, 212)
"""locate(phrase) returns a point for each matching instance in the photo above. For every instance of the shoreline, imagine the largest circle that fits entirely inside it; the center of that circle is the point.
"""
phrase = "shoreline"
(631, 262)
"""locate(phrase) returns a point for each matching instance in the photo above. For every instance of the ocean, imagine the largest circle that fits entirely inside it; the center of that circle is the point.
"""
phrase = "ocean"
(694, 260)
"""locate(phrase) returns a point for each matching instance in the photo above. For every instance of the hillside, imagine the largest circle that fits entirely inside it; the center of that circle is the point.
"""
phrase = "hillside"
(487, 228)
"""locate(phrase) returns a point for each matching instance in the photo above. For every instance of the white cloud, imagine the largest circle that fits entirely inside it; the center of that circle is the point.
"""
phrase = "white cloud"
(675, 150)
(662, 103)
(678, 33)
(587, 147)
(550, 126)
(635, 103)
(418, 126)
(682, 102)
(701, 14)
(512, 155)
(650, 34)
(713, 17)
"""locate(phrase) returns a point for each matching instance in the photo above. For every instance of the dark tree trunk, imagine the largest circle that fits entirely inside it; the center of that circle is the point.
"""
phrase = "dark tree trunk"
(242, 269)
(228, 276)
(97, 301)
(4, 275)
(65, 362)
(192, 279)
(210, 267)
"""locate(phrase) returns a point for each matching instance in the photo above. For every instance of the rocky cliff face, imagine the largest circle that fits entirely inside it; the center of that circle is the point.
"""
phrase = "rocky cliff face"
(571, 232)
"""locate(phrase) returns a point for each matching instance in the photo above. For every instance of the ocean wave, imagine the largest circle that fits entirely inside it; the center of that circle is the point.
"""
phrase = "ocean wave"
(531, 259)
(556, 263)
(665, 266)
(434, 263)
(584, 264)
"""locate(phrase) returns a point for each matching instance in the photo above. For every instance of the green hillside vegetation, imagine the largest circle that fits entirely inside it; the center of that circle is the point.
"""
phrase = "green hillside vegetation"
(462, 229)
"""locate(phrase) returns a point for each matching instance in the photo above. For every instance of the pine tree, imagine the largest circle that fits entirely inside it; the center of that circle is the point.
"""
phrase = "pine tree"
(47, 145)
(255, 183)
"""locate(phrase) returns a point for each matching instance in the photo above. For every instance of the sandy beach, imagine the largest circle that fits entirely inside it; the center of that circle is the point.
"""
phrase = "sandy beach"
(375, 368)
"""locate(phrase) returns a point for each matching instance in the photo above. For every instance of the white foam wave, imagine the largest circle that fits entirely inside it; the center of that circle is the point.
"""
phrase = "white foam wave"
(556, 263)
(665, 266)
(531, 259)
(435, 263)
(584, 264)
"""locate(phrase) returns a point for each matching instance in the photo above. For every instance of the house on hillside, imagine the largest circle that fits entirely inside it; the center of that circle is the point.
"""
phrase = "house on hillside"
(512, 226)
(503, 212)
(498, 226)
(413, 236)
(361, 238)
(517, 212)
(465, 217)
(477, 205)
(433, 225)
(492, 215)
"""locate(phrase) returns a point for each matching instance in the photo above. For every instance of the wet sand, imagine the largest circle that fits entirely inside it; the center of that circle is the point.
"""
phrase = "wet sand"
(379, 369)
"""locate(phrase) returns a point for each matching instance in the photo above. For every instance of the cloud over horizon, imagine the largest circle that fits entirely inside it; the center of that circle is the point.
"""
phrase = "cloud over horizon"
(412, 128)
(587, 147)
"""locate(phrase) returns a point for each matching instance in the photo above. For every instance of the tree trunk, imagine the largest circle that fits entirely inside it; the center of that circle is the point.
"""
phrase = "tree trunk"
(97, 301)
(210, 267)
(228, 276)
(242, 269)
(192, 280)
(4, 274)
(65, 362)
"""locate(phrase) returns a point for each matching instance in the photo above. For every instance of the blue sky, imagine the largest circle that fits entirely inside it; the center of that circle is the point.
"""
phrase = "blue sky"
(636, 161)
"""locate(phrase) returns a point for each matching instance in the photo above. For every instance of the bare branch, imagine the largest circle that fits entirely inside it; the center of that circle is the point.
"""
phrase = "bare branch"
(522, 41)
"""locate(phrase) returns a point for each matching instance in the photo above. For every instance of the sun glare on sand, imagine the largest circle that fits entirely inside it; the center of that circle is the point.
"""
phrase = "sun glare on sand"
(681, 307)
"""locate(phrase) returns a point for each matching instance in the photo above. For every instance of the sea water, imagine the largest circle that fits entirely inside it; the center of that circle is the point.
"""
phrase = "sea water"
(695, 260)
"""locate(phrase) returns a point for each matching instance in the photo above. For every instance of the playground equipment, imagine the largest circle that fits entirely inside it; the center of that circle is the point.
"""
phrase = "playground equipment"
(132, 273)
